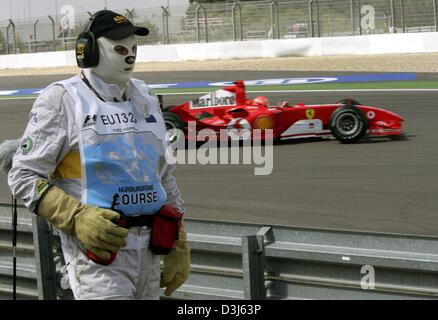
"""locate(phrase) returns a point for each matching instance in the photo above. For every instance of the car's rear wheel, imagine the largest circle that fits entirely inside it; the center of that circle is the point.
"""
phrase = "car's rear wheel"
(348, 124)
(174, 126)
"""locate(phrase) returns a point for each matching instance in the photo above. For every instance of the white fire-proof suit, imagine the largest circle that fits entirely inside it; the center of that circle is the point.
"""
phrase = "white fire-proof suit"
(50, 149)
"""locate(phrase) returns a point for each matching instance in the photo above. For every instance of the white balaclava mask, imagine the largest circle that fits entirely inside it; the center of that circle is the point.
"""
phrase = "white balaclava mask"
(116, 60)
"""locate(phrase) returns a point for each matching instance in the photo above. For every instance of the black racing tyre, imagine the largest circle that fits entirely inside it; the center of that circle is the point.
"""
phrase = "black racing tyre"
(167, 108)
(399, 137)
(174, 125)
(204, 115)
(349, 102)
(348, 124)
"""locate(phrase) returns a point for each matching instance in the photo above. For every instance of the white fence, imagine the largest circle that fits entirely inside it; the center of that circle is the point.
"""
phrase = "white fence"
(229, 20)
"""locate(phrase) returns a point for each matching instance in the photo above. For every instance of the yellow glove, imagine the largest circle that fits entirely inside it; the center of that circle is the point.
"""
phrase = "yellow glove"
(176, 265)
(91, 225)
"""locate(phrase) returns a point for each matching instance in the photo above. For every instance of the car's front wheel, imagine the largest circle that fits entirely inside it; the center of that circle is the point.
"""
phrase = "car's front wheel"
(349, 102)
(348, 124)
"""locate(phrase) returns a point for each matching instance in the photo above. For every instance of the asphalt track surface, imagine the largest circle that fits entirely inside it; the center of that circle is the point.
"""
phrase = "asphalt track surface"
(376, 186)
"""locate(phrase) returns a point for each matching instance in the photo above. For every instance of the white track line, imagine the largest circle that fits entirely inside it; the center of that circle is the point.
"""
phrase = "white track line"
(304, 91)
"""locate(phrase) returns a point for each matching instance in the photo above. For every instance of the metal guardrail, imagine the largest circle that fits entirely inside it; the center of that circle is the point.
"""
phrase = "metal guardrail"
(26, 270)
(246, 261)
(235, 21)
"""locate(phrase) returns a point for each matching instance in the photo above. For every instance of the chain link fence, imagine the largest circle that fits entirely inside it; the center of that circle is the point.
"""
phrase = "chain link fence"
(233, 21)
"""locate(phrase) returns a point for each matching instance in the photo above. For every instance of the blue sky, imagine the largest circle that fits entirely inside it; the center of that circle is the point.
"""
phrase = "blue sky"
(22, 9)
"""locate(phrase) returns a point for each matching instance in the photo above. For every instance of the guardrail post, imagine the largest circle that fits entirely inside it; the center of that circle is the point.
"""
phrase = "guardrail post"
(267, 232)
(45, 268)
(35, 47)
(53, 33)
(311, 18)
(233, 12)
(359, 17)
(206, 25)
(312, 27)
(317, 18)
(402, 9)
(435, 17)
(198, 31)
(14, 248)
(393, 17)
(7, 39)
(253, 263)
(275, 21)
(14, 43)
(352, 17)
(165, 18)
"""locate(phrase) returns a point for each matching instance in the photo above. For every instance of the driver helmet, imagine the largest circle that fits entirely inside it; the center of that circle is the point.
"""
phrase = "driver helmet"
(261, 101)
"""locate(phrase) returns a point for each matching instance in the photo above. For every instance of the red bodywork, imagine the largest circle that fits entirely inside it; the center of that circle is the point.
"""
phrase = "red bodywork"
(286, 121)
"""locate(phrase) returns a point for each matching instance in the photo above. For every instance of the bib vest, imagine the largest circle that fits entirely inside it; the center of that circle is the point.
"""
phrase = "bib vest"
(122, 149)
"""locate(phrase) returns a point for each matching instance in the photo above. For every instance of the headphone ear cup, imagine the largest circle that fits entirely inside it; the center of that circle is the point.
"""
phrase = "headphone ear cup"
(94, 51)
(87, 52)
(81, 50)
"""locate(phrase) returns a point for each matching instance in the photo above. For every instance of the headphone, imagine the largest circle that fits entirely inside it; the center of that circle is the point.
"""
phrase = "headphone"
(87, 51)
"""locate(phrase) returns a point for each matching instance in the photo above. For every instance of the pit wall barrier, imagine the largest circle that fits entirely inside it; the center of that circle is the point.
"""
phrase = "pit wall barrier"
(308, 47)
(247, 261)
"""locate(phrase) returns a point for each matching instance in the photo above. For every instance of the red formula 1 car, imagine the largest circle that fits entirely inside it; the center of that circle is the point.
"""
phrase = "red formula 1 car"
(230, 109)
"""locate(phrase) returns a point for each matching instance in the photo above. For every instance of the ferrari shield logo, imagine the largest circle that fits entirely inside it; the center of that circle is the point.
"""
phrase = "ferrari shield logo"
(310, 113)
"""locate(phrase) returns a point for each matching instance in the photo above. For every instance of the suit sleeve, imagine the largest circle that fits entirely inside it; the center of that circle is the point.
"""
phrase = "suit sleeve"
(43, 145)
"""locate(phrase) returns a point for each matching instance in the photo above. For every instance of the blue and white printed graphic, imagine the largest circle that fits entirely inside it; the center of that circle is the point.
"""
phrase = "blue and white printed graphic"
(115, 167)
(376, 77)
(21, 92)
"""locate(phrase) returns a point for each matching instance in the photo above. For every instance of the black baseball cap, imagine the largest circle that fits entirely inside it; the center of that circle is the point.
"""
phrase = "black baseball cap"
(115, 26)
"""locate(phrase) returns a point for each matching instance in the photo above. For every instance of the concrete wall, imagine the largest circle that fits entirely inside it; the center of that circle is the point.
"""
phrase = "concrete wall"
(329, 46)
